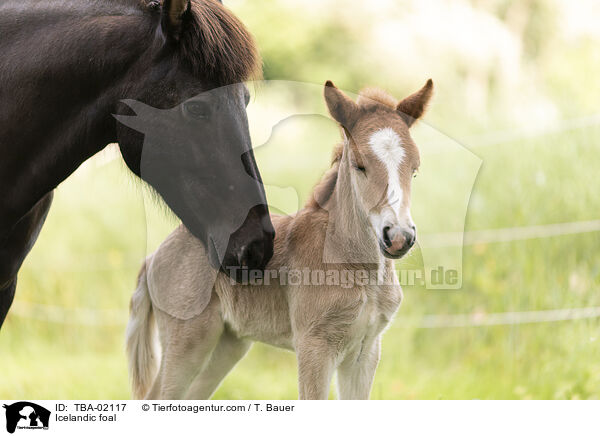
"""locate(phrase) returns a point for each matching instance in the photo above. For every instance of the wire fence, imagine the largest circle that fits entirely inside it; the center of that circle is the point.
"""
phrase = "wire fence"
(132, 260)
(75, 316)
(509, 234)
(507, 136)
(119, 317)
(482, 319)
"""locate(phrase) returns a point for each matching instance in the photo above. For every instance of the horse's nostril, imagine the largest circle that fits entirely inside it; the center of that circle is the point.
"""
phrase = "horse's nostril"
(386, 237)
(242, 256)
(252, 255)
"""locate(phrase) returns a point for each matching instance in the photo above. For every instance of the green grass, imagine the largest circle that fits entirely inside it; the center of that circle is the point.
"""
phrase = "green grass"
(96, 236)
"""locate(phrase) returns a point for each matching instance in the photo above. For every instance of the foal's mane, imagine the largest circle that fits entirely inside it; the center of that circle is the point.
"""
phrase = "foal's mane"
(369, 100)
(324, 189)
(217, 45)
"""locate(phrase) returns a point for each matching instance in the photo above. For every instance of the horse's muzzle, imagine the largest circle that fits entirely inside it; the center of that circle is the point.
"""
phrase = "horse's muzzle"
(251, 246)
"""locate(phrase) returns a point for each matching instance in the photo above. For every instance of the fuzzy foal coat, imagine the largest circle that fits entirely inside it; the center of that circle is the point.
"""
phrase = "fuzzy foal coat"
(206, 323)
(329, 327)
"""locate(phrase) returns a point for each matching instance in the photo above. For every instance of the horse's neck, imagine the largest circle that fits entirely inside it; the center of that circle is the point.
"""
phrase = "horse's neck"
(60, 83)
(349, 236)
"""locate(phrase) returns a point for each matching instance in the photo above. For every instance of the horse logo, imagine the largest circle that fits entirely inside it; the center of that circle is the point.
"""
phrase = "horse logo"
(26, 415)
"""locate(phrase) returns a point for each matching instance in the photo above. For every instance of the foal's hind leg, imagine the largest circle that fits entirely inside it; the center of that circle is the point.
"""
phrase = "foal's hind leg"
(186, 349)
(229, 351)
(15, 246)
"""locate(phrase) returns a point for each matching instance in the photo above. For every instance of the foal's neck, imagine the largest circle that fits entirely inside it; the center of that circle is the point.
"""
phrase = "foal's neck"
(350, 237)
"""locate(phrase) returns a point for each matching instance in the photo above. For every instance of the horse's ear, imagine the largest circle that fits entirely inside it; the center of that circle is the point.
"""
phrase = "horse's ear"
(341, 107)
(173, 14)
(414, 106)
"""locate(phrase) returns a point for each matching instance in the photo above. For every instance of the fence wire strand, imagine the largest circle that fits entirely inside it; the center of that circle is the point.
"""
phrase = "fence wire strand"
(118, 317)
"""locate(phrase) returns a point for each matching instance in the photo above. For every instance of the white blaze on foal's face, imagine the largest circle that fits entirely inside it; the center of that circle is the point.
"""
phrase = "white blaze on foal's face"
(387, 146)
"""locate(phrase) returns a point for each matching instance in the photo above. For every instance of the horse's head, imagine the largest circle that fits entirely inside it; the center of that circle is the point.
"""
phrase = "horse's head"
(381, 159)
(188, 133)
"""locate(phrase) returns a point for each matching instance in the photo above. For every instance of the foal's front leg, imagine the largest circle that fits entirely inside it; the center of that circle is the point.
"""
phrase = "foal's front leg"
(316, 364)
(356, 373)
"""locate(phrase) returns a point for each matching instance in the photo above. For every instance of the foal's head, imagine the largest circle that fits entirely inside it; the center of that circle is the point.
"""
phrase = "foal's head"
(381, 159)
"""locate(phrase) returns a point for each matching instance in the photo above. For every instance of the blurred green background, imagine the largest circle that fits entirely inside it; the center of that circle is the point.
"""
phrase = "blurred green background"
(516, 84)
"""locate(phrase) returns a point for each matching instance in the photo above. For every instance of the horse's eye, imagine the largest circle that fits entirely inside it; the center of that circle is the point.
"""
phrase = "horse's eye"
(197, 110)
(360, 168)
(415, 172)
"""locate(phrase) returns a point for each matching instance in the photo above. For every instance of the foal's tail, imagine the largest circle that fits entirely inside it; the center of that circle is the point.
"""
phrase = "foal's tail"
(140, 339)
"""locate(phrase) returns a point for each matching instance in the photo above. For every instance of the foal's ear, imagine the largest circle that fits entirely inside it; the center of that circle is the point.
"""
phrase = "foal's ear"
(414, 106)
(173, 14)
(342, 108)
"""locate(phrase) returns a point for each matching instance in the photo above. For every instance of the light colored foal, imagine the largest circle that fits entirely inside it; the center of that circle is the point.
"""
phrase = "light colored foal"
(329, 291)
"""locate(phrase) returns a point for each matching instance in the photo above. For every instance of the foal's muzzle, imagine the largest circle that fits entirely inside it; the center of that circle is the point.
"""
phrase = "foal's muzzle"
(396, 241)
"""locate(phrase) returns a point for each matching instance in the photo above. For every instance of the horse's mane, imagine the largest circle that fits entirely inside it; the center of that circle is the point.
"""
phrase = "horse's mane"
(324, 189)
(214, 42)
(217, 45)
(373, 98)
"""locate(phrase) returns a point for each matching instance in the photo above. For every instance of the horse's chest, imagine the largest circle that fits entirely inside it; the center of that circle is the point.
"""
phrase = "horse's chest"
(380, 305)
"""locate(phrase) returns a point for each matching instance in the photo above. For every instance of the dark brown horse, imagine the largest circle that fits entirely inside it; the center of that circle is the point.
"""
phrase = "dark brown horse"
(66, 68)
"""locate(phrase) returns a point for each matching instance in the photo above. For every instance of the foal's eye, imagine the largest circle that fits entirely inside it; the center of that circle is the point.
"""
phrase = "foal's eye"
(415, 172)
(360, 168)
(197, 110)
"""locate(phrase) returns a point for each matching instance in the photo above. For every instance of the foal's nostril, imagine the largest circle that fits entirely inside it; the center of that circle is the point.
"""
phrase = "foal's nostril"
(386, 237)
(411, 237)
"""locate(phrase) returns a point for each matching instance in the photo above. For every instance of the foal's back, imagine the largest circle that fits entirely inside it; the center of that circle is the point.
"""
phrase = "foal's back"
(261, 310)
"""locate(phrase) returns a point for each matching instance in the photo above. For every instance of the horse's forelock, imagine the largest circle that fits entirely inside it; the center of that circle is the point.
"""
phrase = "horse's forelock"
(218, 46)
(373, 97)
